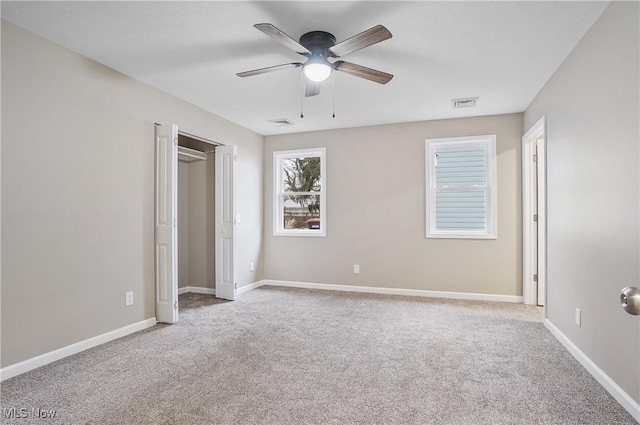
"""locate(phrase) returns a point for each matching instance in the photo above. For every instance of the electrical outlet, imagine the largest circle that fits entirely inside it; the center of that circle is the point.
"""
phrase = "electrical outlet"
(252, 267)
(578, 317)
(356, 268)
(128, 299)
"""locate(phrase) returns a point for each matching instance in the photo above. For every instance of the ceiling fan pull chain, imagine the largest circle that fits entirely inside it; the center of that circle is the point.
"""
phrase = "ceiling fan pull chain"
(333, 83)
(301, 94)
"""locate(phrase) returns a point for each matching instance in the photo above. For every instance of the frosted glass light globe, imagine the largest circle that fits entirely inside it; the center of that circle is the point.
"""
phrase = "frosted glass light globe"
(317, 71)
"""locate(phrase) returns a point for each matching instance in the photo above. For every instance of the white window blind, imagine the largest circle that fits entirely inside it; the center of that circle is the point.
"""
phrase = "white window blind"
(461, 187)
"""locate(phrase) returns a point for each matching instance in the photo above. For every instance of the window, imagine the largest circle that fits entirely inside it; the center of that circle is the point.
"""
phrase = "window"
(300, 189)
(461, 187)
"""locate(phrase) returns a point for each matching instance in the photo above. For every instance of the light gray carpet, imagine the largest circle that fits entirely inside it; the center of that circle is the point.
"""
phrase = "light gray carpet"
(293, 356)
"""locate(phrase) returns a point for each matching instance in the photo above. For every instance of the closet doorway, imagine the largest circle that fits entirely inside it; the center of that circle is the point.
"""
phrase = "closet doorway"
(195, 219)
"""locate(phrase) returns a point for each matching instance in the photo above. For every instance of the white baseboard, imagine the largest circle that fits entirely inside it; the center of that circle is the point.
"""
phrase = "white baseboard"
(609, 384)
(196, 290)
(397, 291)
(211, 291)
(69, 350)
(249, 287)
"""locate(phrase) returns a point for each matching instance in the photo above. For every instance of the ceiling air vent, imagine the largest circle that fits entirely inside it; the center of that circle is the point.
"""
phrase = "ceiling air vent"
(467, 102)
(281, 122)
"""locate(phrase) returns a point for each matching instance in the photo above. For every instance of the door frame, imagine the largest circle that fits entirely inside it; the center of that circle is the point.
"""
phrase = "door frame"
(217, 213)
(534, 238)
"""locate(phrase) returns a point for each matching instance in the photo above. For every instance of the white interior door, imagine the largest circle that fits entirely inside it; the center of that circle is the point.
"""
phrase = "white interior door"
(534, 215)
(541, 208)
(226, 221)
(533, 218)
(166, 214)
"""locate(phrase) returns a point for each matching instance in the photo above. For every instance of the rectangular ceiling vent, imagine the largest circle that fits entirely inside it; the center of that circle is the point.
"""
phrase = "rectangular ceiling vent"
(281, 122)
(467, 102)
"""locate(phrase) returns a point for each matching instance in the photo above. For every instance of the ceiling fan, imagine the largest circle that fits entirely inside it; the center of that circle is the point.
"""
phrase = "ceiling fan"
(320, 46)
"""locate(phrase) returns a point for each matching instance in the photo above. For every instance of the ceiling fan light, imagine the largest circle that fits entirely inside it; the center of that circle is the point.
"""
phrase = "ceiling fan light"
(317, 71)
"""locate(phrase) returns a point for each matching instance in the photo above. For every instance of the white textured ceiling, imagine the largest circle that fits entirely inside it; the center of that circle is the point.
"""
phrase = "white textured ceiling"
(502, 52)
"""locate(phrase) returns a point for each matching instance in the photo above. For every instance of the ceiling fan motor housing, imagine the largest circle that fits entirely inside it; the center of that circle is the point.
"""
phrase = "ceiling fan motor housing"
(318, 42)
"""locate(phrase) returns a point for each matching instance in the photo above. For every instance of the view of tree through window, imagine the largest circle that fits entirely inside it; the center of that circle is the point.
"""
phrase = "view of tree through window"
(301, 177)
(299, 181)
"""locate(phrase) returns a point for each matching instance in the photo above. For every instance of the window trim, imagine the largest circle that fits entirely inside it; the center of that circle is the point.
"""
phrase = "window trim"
(489, 142)
(278, 229)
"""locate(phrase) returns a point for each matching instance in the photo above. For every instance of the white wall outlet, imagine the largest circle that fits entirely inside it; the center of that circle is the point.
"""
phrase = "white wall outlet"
(252, 266)
(128, 298)
(356, 268)
(578, 317)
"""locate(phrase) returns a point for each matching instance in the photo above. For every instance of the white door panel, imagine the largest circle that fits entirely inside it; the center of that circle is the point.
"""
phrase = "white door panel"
(225, 222)
(541, 208)
(166, 154)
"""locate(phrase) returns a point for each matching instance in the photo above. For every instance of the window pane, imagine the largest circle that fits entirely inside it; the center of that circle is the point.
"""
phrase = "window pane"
(461, 166)
(301, 212)
(461, 187)
(301, 174)
(461, 210)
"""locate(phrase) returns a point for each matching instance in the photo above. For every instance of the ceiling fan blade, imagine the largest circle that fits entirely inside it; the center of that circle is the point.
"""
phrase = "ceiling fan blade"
(268, 69)
(283, 38)
(362, 72)
(364, 39)
(312, 88)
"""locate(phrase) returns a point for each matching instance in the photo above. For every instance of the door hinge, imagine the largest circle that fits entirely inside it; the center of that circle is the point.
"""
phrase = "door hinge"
(235, 285)
(235, 158)
(535, 157)
(175, 222)
(535, 217)
(535, 277)
(175, 305)
(175, 140)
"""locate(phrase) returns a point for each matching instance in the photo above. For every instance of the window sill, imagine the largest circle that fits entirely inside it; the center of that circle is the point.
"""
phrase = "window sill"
(302, 233)
(459, 236)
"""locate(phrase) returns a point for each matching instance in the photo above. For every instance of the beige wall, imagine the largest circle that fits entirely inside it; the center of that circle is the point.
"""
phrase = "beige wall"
(591, 104)
(78, 194)
(376, 213)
